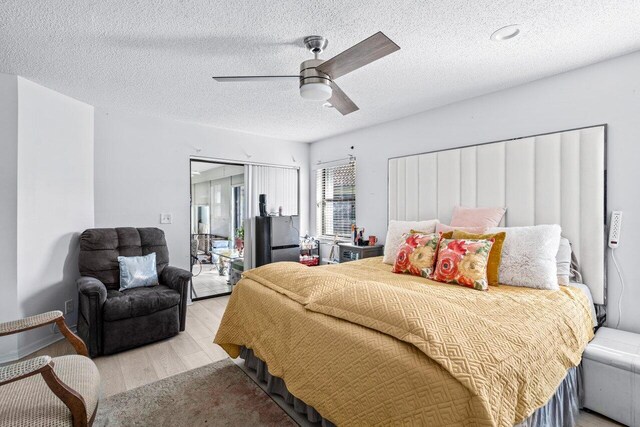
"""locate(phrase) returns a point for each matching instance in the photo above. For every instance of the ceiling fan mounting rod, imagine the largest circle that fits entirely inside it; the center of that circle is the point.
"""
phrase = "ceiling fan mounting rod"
(315, 44)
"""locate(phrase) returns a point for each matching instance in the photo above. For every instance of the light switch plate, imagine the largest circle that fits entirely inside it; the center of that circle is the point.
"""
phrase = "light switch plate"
(166, 218)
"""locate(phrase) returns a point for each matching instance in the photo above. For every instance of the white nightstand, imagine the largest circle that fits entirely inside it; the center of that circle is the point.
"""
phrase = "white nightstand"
(611, 369)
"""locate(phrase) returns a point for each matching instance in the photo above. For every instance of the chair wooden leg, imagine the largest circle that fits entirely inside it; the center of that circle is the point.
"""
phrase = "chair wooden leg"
(75, 340)
(93, 417)
(69, 397)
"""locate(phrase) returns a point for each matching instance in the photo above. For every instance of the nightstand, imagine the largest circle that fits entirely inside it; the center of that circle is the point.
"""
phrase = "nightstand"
(349, 252)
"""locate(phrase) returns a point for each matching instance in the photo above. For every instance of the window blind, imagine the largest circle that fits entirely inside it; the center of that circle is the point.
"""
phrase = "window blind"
(336, 200)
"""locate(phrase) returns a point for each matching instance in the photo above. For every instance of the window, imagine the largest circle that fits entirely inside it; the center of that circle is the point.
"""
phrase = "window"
(336, 200)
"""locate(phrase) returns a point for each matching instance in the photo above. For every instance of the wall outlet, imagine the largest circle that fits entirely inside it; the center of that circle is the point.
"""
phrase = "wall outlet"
(166, 218)
(68, 306)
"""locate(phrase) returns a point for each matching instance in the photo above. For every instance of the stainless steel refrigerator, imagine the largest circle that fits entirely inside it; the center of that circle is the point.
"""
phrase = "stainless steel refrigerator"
(277, 239)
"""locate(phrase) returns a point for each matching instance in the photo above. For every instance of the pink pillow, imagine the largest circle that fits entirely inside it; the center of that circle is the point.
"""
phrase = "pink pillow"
(443, 228)
(476, 217)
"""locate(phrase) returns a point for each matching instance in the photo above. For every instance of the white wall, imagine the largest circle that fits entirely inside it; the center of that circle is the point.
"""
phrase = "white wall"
(8, 207)
(142, 169)
(608, 92)
(55, 201)
(46, 188)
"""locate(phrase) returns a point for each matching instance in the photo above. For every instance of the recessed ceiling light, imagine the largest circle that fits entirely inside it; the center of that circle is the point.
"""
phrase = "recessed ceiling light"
(327, 105)
(506, 33)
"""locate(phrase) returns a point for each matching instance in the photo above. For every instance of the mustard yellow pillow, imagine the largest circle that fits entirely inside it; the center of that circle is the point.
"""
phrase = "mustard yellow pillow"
(445, 235)
(493, 264)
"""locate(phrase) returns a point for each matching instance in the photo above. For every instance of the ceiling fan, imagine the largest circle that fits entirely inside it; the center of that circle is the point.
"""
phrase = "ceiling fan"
(317, 76)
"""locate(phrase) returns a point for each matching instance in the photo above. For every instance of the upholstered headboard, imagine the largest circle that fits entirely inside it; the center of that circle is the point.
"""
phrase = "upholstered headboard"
(555, 178)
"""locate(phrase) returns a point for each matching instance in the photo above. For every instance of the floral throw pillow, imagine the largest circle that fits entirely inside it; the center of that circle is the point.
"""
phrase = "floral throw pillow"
(417, 254)
(463, 262)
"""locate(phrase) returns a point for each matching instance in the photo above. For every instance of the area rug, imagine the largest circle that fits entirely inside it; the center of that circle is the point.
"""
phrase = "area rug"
(213, 395)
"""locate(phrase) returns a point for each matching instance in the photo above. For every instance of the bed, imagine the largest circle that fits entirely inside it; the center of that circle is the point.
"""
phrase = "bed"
(365, 346)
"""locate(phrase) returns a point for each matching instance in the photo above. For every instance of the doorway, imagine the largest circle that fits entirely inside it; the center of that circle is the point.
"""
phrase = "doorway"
(218, 207)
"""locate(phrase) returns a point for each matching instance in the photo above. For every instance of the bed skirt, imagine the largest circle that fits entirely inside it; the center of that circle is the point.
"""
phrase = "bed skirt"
(561, 410)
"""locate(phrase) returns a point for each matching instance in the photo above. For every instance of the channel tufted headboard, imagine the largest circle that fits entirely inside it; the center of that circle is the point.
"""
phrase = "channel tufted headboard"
(555, 178)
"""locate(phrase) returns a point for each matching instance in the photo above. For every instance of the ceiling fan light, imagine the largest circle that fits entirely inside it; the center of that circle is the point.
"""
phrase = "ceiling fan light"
(316, 91)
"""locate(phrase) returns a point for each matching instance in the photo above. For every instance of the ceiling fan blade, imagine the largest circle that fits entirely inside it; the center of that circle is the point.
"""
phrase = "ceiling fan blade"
(340, 101)
(227, 79)
(359, 55)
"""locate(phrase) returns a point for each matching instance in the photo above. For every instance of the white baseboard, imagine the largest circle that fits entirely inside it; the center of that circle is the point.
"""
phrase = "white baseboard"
(34, 346)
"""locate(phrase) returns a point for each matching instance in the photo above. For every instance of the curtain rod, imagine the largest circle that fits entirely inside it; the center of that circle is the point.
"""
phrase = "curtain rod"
(351, 158)
(238, 162)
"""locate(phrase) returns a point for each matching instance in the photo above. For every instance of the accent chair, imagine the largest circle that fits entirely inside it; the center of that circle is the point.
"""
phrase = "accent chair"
(110, 320)
(45, 391)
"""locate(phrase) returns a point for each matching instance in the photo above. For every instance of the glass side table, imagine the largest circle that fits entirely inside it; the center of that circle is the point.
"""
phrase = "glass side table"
(225, 258)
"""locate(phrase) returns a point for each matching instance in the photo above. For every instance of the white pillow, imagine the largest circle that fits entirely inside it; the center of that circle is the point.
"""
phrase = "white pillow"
(529, 256)
(584, 288)
(563, 261)
(397, 229)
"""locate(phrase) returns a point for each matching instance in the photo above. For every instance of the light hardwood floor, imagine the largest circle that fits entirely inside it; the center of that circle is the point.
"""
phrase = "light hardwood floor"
(188, 350)
(210, 282)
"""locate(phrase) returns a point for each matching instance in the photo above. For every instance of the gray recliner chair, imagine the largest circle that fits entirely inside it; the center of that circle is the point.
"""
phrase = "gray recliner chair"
(110, 321)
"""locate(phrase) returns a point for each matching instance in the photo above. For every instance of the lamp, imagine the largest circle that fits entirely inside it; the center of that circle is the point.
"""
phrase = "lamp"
(316, 91)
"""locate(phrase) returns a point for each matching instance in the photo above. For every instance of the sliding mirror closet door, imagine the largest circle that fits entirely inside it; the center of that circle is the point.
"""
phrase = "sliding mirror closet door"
(218, 210)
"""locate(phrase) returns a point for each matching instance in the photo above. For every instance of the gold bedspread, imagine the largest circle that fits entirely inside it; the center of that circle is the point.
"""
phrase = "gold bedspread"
(364, 346)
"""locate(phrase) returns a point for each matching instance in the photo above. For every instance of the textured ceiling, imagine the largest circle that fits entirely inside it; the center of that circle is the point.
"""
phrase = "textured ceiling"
(157, 57)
